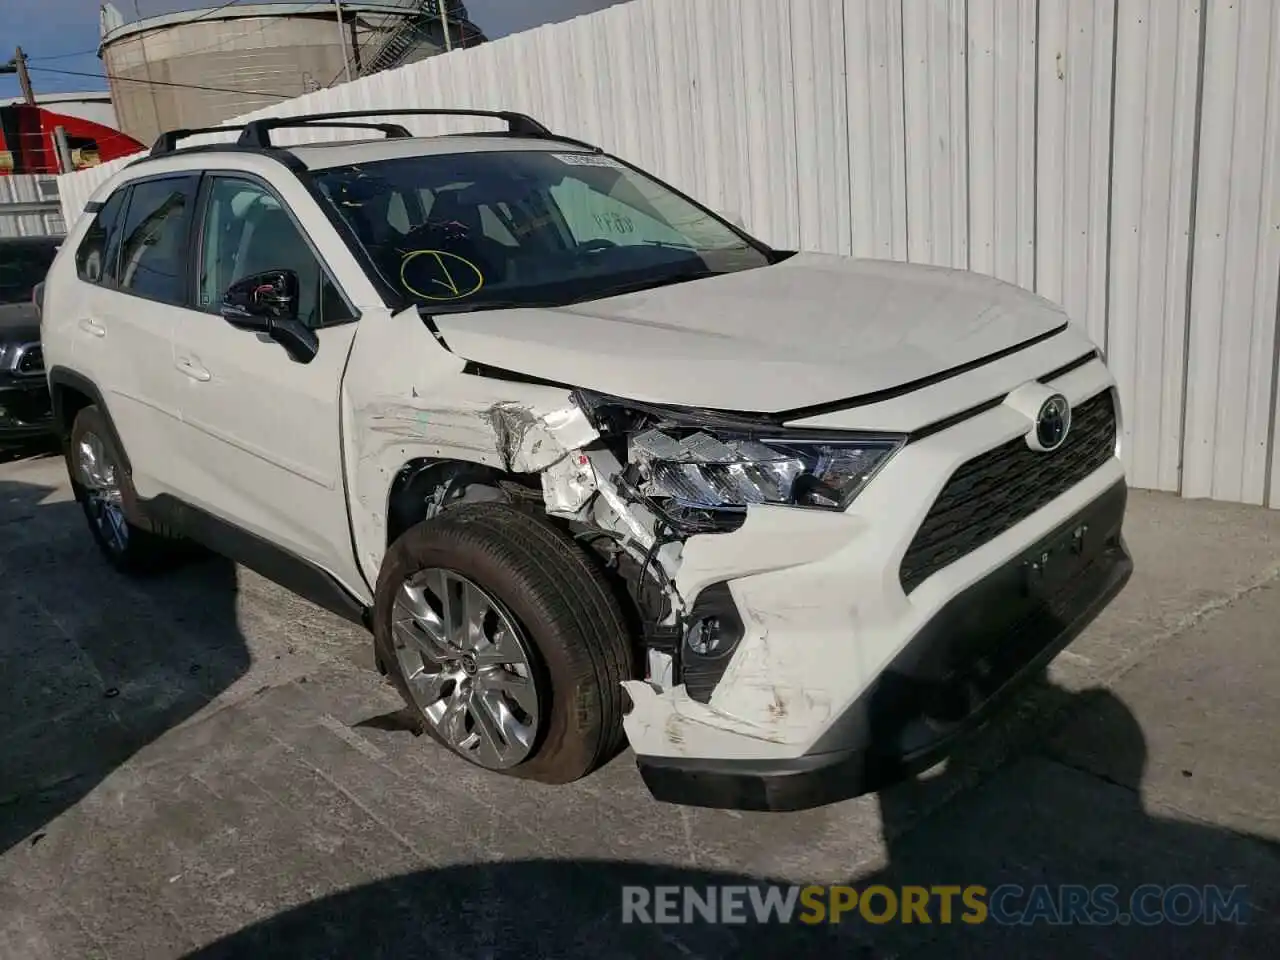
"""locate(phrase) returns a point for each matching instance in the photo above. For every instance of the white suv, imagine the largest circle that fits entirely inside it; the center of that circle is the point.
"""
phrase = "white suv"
(592, 464)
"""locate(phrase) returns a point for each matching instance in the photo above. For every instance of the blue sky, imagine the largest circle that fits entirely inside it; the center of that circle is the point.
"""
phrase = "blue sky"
(63, 34)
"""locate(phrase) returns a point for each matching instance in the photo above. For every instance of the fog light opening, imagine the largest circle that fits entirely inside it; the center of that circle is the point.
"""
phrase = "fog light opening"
(707, 637)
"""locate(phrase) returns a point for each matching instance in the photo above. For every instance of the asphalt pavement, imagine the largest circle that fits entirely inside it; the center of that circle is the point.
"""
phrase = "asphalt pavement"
(204, 764)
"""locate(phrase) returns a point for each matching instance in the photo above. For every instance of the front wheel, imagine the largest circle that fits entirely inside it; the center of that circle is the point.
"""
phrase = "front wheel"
(502, 634)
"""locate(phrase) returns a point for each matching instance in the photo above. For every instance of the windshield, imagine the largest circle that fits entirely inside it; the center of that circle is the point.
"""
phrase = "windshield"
(486, 230)
(22, 265)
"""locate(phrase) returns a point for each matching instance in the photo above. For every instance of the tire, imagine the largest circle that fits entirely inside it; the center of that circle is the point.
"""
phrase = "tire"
(138, 551)
(572, 629)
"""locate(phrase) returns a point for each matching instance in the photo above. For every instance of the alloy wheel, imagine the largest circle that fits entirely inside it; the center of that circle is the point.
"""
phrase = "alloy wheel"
(467, 666)
(100, 478)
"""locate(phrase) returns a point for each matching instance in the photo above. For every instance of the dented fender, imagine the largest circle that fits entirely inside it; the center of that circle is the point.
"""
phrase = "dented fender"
(405, 397)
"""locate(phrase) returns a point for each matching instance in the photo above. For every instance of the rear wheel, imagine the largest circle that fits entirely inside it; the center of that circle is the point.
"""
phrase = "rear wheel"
(501, 633)
(106, 494)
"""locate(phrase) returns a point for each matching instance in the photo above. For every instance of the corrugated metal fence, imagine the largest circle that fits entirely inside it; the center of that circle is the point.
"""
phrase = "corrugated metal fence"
(29, 206)
(1121, 157)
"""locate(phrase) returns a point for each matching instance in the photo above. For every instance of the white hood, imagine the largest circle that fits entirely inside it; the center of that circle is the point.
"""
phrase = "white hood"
(810, 330)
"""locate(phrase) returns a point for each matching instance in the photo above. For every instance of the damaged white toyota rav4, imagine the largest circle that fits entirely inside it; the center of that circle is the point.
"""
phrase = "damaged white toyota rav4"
(593, 465)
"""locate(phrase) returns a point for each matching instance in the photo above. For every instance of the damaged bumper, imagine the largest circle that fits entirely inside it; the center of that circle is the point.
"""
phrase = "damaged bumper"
(968, 659)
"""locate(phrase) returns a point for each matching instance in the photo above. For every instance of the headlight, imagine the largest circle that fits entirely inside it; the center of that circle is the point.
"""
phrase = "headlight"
(705, 471)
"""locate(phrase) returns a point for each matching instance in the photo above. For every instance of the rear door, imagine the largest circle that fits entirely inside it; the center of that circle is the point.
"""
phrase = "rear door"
(132, 264)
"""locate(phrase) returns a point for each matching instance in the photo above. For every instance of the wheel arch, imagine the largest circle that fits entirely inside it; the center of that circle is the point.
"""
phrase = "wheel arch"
(423, 486)
(71, 392)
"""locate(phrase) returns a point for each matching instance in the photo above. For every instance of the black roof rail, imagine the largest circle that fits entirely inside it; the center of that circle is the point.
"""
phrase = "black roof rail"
(394, 131)
(167, 142)
(257, 133)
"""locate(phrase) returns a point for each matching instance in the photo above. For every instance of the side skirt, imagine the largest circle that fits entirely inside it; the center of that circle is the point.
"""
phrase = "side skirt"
(290, 571)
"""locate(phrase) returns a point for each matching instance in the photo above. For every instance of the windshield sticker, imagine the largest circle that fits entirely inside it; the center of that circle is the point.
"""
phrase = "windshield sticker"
(446, 275)
(588, 160)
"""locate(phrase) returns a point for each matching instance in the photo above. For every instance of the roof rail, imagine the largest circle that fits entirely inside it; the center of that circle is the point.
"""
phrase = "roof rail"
(257, 133)
(167, 142)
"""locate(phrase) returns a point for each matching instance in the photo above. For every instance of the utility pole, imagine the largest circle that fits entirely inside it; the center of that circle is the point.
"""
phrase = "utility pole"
(444, 22)
(18, 65)
(342, 41)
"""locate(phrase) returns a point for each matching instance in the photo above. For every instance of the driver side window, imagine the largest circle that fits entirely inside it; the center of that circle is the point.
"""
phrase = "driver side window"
(247, 230)
(592, 215)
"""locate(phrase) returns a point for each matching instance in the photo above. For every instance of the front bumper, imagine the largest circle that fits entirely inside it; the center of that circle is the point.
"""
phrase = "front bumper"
(944, 684)
(25, 411)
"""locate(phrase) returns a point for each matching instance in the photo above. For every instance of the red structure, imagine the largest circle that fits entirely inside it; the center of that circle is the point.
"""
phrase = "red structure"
(26, 140)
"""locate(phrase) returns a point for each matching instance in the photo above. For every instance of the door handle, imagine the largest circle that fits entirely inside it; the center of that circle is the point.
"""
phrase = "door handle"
(192, 369)
(89, 325)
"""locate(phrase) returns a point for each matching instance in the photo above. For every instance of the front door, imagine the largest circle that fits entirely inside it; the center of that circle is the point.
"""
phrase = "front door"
(261, 443)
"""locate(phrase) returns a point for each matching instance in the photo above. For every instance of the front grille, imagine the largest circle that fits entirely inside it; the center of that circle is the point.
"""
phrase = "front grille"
(30, 361)
(1001, 487)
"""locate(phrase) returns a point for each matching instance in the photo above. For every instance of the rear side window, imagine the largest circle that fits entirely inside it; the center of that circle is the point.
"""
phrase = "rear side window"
(96, 255)
(154, 237)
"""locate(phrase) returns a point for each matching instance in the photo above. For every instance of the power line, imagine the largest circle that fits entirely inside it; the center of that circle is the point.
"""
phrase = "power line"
(64, 56)
(165, 83)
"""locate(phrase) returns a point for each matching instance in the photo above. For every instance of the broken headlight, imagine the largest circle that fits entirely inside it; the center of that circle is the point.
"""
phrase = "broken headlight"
(703, 471)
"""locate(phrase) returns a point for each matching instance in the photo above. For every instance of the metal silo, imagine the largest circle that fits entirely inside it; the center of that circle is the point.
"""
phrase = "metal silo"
(200, 67)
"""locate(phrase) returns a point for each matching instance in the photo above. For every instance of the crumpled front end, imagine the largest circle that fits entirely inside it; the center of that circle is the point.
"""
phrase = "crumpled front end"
(799, 654)
(821, 607)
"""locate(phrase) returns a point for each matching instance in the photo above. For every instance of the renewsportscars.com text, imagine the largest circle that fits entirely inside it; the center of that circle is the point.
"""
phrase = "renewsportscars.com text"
(1007, 904)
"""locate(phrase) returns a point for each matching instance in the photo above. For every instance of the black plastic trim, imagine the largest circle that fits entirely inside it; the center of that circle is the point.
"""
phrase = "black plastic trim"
(947, 422)
(62, 377)
(276, 564)
(911, 386)
(701, 673)
(257, 133)
(884, 738)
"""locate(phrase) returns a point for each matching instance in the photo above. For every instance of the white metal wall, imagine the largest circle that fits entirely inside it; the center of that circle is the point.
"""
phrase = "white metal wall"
(26, 190)
(1121, 157)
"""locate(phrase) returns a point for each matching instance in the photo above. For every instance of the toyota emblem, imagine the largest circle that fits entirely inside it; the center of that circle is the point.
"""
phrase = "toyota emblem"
(1053, 422)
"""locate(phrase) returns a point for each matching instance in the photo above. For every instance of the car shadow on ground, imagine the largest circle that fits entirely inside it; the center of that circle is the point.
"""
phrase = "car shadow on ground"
(1039, 820)
(93, 666)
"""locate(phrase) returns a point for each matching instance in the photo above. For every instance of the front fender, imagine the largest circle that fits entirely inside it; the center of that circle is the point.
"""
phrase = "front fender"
(406, 397)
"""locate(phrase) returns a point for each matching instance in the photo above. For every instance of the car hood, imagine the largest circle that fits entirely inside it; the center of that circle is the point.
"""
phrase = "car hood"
(19, 323)
(810, 330)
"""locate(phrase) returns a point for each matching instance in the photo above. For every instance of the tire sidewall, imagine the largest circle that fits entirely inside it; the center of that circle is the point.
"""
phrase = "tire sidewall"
(565, 702)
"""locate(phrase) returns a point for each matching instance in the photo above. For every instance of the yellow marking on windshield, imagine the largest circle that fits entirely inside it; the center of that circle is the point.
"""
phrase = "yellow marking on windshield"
(448, 279)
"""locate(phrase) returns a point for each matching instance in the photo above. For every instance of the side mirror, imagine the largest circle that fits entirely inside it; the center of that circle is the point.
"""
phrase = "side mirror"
(268, 303)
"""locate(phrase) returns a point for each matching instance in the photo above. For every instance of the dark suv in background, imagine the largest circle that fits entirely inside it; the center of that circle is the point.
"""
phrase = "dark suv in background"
(24, 393)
